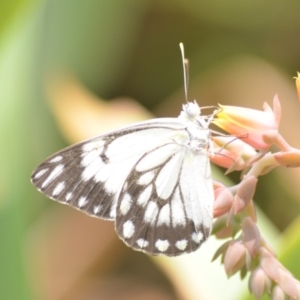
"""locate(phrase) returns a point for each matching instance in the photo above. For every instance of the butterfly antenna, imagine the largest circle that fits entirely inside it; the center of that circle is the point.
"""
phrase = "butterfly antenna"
(185, 63)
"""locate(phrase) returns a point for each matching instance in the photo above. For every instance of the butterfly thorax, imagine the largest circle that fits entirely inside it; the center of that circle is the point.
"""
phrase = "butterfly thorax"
(196, 127)
(198, 138)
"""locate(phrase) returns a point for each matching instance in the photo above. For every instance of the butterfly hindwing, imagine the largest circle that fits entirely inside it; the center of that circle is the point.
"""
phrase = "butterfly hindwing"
(160, 210)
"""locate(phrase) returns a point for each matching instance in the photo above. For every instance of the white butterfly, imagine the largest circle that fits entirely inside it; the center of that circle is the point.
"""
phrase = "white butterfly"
(152, 178)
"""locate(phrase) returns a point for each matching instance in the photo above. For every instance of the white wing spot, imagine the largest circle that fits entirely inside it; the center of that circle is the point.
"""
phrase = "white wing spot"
(92, 145)
(145, 196)
(164, 215)
(82, 202)
(90, 157)
(151, 213)
(58, 189)
(181, 245)
(56, 171)
(96, 209)
(197, 237)
(142, 243)
(146, 178)
(113, 209)
(92, 169)
(125, 204)
(56, 159)
(162, 245)
(69, 196)
(40, 173)
(128, 229)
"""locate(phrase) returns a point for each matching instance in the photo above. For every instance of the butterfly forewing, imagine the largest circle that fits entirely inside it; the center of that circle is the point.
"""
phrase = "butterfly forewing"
(90, 175)
(67, 178)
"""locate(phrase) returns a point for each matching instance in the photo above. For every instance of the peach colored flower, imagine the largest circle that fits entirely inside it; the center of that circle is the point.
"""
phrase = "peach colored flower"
(290, 159)
(217, 184)
(223, 201)
(251, 125)
(231, 153)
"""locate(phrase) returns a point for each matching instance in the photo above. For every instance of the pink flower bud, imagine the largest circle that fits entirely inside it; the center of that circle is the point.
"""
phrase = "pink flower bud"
(223, 201)
(234, 258)
(244, 194)
(269, 264)
(277, 293)
(289, 159)
(288, 283)
(258, 283)
(250, 124)
(251, 236)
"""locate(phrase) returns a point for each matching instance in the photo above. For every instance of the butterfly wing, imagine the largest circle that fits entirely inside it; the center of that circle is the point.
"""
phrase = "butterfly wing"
(90, 175)
(166, 203)
(146, 177)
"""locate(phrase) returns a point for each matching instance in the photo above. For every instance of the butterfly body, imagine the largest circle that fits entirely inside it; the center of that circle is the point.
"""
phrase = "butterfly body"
(152, 178)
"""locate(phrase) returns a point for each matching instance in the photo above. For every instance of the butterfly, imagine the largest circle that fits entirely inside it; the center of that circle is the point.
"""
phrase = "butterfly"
(152, 178)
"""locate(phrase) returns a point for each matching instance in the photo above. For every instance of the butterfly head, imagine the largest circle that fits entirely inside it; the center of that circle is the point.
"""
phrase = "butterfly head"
(190, 111)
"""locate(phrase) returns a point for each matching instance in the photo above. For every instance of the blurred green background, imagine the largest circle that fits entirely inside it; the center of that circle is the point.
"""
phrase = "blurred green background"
(241, 53)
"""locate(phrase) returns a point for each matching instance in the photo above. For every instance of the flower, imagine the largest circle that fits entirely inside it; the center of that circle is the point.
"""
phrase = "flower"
(281, 276)
(269, 264)
(223, 201)
(231, 153)
(234, 258)
(259, 283)
(251, 125)
(251, 237)
(244, 194)
(288, 283)
(277, 293)
(288, 159)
